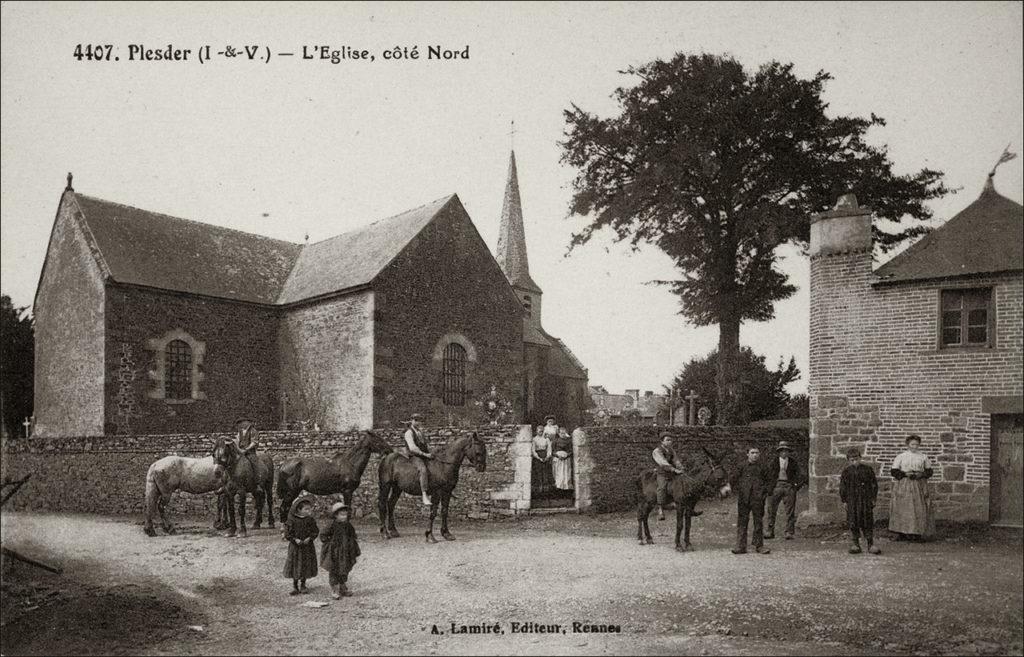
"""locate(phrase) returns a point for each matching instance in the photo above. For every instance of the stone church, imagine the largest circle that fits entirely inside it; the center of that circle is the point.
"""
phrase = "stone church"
(151, 324)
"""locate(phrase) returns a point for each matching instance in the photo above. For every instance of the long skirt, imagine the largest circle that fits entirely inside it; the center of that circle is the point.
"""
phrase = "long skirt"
(301, 561)
(911, 511)
(541, 480)
(562, 469)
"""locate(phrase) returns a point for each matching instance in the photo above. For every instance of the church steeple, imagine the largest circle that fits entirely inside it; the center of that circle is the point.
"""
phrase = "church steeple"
(512, 236)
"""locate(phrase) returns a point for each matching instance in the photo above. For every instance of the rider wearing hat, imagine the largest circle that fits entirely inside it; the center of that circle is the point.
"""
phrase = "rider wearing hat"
(419, 452)
(788, 477)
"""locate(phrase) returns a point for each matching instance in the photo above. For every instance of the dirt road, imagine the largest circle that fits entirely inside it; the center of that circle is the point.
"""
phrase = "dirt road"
(201, 593)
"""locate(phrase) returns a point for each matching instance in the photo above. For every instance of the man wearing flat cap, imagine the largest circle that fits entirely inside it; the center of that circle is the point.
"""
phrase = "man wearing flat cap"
(419, 453)
(788, 478)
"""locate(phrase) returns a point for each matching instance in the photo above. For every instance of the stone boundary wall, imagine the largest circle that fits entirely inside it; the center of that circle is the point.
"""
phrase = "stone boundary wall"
(107, 474)
(610, 458)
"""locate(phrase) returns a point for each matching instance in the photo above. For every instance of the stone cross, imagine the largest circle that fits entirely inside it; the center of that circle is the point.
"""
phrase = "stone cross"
(692, 399)
(28, 427)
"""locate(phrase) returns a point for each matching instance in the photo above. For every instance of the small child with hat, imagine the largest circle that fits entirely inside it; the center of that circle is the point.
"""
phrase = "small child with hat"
(340, 551)
(858, 489)
(299, 531)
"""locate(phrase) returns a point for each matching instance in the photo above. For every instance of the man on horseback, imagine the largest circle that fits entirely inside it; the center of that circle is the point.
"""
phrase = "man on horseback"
(418, 451)
(669, 465)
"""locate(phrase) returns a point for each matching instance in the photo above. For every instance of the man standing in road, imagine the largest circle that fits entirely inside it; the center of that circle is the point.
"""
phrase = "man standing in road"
(751, 484)
(788, 477)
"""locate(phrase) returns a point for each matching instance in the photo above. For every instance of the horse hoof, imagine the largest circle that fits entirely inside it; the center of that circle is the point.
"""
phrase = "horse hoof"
(650, 541)
(430, 538)
(149, 531)
(680, 548)
(230, 534)
(448, 537)
(393, 533)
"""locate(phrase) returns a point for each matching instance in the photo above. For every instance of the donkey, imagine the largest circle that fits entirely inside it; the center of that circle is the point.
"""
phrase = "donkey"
(686, 490)
(397, 474)
(192, 475)
(341, 474)
(247, 474)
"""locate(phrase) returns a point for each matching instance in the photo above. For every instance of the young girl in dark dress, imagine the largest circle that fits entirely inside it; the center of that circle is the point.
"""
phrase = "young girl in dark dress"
(340, 551)
(299, 531)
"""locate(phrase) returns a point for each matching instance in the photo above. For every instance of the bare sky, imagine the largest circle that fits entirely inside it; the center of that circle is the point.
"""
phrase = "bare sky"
(293, 146)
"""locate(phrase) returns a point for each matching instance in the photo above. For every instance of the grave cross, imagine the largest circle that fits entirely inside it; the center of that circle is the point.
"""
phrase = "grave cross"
(692, 399)
(28, 427)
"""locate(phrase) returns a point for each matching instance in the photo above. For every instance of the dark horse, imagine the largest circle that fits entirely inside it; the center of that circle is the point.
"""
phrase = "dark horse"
(686, 490)
(397, 475)
(340, 474)
(248, 473)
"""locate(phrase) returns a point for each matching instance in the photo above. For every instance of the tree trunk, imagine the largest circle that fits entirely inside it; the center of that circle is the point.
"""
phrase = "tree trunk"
(726, 379)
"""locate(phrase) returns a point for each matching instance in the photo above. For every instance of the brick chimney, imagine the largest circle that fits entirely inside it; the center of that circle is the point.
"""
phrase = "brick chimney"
(840, 287)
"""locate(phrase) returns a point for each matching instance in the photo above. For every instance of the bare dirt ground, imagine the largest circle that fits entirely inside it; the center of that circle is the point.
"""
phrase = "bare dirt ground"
(200, 593)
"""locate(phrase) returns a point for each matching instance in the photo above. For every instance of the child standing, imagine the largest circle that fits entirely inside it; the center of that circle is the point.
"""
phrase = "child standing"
(858, 489)
(300, 530)
(341, 548)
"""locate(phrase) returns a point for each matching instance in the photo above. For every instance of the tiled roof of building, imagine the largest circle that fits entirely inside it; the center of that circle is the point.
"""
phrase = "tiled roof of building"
(148, 248)
(984, 238)
(356, 257)
(512, 235)
(613, 405)
(562, 362)
(140, 247)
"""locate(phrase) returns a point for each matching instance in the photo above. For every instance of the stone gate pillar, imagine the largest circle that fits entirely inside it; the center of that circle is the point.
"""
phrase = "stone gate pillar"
(582, 467)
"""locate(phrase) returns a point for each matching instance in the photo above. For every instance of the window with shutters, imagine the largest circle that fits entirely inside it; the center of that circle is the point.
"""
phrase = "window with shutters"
(454, 373)
(966, 318)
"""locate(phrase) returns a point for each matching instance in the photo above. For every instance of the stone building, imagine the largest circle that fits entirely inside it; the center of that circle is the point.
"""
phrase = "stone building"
(147, 323)
(628, 408)
(928, 344)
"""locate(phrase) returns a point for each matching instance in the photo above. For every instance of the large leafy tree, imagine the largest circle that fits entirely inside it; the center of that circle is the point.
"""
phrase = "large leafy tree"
(17, 349)
(718, 166)
(763, 390)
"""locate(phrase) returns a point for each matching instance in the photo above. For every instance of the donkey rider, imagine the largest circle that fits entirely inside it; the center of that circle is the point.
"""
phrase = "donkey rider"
(418, 452)
(669, 465)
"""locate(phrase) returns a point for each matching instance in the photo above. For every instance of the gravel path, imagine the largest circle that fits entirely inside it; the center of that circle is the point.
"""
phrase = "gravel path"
(126, 593)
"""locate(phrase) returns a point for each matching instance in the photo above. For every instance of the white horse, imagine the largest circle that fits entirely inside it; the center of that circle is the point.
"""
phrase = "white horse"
(174, 473)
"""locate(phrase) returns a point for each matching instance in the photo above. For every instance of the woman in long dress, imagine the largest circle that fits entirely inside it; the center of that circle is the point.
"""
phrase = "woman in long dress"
(542, 479)
(911, 511)
(561, 445)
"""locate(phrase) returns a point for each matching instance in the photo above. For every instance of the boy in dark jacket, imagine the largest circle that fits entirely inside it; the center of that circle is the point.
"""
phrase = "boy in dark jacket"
(858, 489)
(340, 551)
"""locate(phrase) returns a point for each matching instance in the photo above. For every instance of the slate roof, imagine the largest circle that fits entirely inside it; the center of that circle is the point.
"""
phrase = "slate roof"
(148, 248)
(512, 235)
(562, 362)
(356, 257)
(986, 237)
(140, 247)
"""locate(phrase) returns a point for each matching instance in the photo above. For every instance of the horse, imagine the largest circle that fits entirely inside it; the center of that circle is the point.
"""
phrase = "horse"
(397, 474)
(247, 473)
(192, 475)
(686, 490)
(341, 474)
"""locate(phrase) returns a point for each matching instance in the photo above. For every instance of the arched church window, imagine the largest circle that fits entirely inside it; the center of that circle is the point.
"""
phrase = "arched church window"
(178, 370)
(454, 372)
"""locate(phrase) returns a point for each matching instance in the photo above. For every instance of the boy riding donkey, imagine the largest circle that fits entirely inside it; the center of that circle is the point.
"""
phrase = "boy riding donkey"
(669, 465)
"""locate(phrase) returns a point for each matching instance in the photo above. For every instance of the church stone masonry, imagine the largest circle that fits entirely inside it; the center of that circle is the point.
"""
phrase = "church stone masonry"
(150, 324)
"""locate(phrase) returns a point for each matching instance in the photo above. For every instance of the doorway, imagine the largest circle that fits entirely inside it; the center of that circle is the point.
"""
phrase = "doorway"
(1006, 481)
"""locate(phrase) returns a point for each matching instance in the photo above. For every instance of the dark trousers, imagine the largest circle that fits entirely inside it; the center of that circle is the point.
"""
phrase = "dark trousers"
(784, 492)
(747, 506)
(864, 525)
(663, 480)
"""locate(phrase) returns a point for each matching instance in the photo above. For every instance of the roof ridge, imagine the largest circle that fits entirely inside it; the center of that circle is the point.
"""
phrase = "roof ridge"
(374, 223)
(191, 221)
